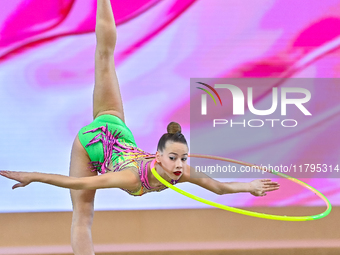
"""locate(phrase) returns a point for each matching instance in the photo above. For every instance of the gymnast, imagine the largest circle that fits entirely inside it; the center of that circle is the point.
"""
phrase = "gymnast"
(107, 146)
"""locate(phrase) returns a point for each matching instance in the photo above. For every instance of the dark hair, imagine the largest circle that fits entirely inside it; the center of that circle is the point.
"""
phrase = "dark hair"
(174, 135)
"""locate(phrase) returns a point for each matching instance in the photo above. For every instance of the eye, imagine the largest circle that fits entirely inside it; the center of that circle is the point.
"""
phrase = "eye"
(184, 159)
(172, 158)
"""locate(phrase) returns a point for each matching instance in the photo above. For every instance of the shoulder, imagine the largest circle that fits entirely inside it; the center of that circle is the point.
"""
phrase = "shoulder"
(126, 179)
(186, 175)
(134, 176)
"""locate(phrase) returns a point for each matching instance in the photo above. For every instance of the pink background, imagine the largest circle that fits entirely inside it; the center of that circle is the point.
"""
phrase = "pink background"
(47, 75)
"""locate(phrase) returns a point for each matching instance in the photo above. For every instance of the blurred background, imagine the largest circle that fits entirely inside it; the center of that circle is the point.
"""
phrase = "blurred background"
(47, 78)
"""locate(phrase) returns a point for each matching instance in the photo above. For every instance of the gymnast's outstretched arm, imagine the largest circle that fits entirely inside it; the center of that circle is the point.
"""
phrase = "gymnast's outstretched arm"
(257, 187)
(124, 179)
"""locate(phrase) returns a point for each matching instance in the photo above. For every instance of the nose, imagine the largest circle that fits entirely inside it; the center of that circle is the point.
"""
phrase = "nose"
(179, 163)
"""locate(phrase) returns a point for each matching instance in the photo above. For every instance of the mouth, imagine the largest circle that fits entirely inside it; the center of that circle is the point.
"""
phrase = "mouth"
(177, 173)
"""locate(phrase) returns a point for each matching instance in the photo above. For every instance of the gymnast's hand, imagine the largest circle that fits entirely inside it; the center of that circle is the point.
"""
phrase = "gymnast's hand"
(260, 187)
(24, 178)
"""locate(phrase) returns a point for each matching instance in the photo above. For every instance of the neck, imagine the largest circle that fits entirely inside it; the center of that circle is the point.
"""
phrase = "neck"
(159, 169)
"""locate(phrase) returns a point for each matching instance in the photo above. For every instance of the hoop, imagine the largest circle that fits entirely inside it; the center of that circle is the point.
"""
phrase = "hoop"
(246, 212)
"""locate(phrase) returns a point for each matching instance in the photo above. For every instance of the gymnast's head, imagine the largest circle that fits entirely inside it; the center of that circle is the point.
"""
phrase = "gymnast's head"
(172, 151)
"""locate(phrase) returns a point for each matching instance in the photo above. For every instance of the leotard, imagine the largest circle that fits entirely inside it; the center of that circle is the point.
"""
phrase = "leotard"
(107, 139)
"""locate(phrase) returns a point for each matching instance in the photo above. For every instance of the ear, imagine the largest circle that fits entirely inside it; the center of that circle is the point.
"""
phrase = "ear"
(158, 157)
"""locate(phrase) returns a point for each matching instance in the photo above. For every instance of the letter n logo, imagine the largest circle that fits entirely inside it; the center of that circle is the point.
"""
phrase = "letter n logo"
(204, 97)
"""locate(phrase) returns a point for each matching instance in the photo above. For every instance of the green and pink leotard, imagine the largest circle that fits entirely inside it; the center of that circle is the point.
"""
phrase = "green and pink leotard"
(107, 139)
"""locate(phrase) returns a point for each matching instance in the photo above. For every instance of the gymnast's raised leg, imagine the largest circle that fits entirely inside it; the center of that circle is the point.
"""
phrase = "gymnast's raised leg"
(106, 100)
(106, 95)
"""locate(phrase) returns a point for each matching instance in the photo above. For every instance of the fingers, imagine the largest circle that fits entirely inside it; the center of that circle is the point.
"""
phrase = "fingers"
(270, 189)
(260, 194)
(268, 181)
(18, 185)
(8, 174)
(4, 173)
(14, 176)
(267, 186)
(271, 186)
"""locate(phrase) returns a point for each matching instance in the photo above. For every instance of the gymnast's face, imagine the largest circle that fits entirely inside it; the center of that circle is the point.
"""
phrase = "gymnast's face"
(173, 159)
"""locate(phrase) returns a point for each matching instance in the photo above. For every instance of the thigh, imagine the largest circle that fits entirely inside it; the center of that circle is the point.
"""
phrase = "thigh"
(82, 200)
(106, 95)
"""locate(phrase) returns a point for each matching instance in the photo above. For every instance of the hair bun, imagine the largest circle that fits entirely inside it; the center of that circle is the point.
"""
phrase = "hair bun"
(173, 128)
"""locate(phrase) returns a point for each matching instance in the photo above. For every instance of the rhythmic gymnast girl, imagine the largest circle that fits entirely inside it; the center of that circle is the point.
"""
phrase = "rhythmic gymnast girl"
(108, 147)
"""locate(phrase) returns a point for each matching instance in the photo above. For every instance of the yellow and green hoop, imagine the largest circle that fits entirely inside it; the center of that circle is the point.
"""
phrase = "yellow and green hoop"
(246, 212)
